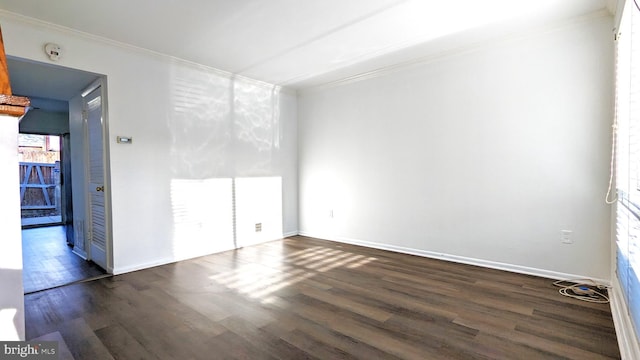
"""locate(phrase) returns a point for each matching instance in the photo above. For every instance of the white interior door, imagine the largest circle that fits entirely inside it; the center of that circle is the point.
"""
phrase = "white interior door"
(96, 179)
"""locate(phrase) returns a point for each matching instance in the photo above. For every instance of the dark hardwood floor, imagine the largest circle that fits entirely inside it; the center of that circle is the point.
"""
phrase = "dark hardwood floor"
(48, 261)
(304, 298)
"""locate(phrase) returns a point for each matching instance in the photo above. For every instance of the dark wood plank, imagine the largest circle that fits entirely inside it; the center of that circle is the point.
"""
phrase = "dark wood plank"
(121, 344)
(49, 262)
(306, 298)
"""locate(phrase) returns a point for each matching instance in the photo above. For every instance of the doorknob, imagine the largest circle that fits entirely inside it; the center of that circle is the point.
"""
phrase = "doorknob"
(100, 188)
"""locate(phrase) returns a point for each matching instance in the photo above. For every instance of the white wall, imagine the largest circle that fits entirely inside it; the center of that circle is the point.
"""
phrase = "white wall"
(188, 123)
(480, 156)
(11, 299)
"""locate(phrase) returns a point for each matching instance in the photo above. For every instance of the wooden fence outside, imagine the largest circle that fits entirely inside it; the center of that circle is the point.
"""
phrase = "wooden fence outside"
(38, 183)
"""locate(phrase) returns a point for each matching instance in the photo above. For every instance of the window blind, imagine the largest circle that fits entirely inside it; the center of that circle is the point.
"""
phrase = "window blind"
(627, 112)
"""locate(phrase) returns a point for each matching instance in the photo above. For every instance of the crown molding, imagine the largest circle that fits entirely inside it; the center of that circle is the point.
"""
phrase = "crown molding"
(456, 51)
(137, 49)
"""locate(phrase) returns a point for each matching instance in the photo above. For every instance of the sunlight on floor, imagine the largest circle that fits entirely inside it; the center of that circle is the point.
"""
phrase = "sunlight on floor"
(260, 281)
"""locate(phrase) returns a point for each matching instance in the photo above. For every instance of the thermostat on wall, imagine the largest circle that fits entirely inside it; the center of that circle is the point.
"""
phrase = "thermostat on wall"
(124, 140)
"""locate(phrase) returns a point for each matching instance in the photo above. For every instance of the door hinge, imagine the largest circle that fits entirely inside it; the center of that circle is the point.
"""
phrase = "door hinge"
(85, 114)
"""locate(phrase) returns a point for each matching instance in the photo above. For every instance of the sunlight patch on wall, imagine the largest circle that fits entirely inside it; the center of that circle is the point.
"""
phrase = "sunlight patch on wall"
(199, 124)
(258, 210)
(222, 126)
(202, 216)
(224, 161)
(256, 127)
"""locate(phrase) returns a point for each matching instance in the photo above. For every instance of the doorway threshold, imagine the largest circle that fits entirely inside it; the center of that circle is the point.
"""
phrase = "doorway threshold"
(41, 221)
(93, 278)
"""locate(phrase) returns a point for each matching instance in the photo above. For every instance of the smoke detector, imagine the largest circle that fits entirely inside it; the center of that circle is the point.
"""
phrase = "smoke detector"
(54, 51)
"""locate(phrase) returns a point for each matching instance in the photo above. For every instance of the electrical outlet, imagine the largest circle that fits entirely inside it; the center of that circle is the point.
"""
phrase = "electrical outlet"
(565, 236)
(331, 214)
(258, 227)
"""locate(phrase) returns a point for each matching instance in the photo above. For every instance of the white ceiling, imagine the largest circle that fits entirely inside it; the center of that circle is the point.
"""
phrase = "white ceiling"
(299, 43)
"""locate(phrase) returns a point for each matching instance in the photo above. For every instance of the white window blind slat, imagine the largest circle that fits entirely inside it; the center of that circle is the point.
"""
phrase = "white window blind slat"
(628, 159)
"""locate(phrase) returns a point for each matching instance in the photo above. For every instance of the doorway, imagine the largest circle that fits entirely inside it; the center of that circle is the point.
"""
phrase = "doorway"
(42, 199)
(54, 182)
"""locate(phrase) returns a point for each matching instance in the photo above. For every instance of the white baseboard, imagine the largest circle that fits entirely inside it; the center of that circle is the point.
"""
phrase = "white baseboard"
(79, 252)
(164, 261)
(136, 267)
(627, 339)
(461, 259)
(290, 234)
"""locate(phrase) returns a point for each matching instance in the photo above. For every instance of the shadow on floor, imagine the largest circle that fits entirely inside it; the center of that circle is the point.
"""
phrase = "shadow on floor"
(49, 262)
